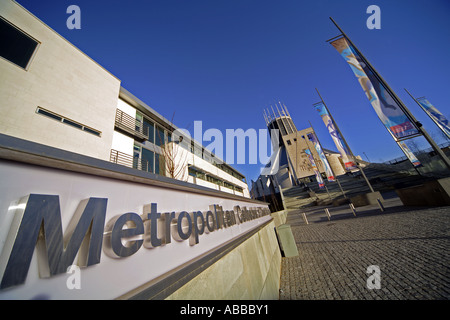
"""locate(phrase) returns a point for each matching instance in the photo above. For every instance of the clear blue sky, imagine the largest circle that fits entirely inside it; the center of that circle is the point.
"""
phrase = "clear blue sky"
(223, 61)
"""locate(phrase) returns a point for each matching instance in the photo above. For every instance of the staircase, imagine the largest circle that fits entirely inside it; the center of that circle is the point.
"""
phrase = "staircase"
(382, 177)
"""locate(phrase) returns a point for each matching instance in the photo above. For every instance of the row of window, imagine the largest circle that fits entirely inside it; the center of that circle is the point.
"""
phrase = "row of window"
(209, 157)
(155, 133)
(65, 120)
(201, 175)
(159, 136)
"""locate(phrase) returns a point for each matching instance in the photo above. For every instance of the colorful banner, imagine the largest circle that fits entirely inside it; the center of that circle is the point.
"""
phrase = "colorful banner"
(435, 115)
(313, 138)
(314, 167)
(389, 112)
(409, 154)
(334, 133)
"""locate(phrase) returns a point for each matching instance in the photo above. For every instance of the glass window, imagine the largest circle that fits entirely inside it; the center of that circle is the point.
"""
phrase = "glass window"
(228, 185)
(91, 131)
(198, 151)
(150, 130)
(206, 156)
(73, 124)
(139, 120)
(160, 164)
(16, 46)
(147, 160)
(65, 120)
(192, 172)
(159, 138)
(136, 157)
(48, 114)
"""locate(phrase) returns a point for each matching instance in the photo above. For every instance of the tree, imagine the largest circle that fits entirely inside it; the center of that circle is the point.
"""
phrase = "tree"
(174, 156)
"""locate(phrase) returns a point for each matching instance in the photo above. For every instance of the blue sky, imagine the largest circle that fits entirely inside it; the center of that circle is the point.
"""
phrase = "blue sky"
(223, 61)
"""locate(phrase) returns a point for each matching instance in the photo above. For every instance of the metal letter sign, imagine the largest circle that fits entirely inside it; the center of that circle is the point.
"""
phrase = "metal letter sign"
(37, 222)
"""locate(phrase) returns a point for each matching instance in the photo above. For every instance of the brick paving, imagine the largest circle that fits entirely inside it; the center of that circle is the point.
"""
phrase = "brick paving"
(409, 245)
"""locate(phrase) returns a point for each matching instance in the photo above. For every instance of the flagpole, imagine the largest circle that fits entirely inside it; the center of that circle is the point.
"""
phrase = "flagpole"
(346, 144)
(408, 114)
(317, 167)
(428, 114)
(377, 75)
(332, 171)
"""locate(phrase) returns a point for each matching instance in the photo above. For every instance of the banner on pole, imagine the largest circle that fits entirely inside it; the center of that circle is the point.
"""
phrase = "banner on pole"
(387, 109)
(314, 167)
(313, 138)
(409, 154)
(435, 115)
(335, 135)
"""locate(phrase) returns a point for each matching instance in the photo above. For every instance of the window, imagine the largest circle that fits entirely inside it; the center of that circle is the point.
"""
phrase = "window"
(228, 185)
(160, 164)
(137, 156)
(48, 114)
(138, 122)
(159, 138)
(192, 172)
(70, 122)
(289, 142)
(147, 160)
(16, 46)
(206, 156)
(91, 131)
(150, 130)
(73, 124)
(198, 151)
(214, 180)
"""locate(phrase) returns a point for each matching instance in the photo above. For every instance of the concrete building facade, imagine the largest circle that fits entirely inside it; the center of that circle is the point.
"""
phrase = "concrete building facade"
(54, 94)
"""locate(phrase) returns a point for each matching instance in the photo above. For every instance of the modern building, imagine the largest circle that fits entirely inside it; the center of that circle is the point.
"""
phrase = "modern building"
(54, 94)
(102, 199)
(293, 164)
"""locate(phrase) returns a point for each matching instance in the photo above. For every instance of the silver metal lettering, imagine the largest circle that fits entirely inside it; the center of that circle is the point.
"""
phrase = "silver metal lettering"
(37, 223)
(113, 239)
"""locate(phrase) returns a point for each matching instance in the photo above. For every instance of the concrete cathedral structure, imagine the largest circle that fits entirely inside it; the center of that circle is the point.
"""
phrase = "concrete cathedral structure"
(294, 165)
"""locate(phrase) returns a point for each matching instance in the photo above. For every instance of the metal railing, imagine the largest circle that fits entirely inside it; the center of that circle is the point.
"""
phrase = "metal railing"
(129, 124)
(129, 161)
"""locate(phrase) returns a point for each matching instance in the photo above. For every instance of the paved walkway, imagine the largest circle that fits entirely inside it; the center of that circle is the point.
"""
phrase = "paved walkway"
(411, 247)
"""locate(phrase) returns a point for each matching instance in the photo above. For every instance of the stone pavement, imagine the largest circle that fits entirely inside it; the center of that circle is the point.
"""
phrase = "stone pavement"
(409, 245)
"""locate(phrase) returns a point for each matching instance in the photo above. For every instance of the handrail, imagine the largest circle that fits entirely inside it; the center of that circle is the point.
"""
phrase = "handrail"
(127, 122)
(129, 161)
